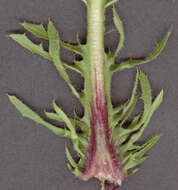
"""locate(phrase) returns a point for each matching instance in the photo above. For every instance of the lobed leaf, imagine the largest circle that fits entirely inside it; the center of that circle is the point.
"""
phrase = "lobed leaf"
(121, 134)
(70, 159)
(54, 53)
(132, 106)
(23, 40)
(36, 29)
(30, 114)
(144, 121)
(133, 162)
(136, 157)
(119, 25)
(118, 117)
(72, 165)
(53, 116)
(118, 109)
(77, 66)
(75, 48)
(132, 63)
(146, 146)
(40, 32)
(66, 120)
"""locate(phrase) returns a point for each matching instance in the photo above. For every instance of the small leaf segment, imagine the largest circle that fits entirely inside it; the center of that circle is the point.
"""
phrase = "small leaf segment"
(106, 146)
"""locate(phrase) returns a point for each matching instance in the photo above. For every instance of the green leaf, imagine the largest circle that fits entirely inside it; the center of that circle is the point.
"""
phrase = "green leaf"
(70, 159)
(85, 1)
(134, 91)
(36, 29)
(78, 66)
(158, 100)
(53, 116)
(134, 122)
(119, 25)
(132, 63)
(72, 163)
(124, 133)
(23, 40)
(118, 117)
(147, 146)
(133, 162)
(144, 121)
(136, 157)
(120, 134)
(75, 48)
(118, 109)
(40, 32)
(53, 42)
(54, 53)
(133, 172)
(66, 120)
(146, 91)
(30, 114)
(110, 2)
(132, 106)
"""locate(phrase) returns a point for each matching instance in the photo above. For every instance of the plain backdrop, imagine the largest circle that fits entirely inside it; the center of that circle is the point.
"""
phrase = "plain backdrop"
(31, 157)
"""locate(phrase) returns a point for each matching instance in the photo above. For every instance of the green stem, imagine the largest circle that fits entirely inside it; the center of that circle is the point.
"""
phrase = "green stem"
(95, 43)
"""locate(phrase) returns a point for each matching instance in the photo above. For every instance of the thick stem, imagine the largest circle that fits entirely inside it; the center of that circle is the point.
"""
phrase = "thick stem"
(102, 161)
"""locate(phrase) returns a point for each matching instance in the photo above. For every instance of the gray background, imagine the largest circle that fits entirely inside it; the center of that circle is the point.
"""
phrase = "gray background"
(31, 157)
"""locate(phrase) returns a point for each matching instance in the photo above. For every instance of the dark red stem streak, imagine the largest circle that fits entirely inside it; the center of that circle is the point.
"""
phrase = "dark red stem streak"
(102, 162)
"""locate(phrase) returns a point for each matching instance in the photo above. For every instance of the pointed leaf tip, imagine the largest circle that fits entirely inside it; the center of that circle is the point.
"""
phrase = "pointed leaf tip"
(37, 30)
(119, 25)
(30, 114)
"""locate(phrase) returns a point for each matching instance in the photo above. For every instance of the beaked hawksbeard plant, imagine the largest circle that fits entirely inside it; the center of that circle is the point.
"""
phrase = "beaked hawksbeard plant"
(105, 145)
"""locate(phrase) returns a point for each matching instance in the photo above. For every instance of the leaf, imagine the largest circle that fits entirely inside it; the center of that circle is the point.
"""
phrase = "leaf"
(36, 29)
(85, 1)
(70, 159)
(77, 66)
(75, 48)
(132, 63)
(66, 120)
(110, 2)
(136, 158)
(40, 32)
(144, 121)
(146, 91)
(134, 122)
(72, 163)
(132, 162)
(133, 172)
(129, 111)
(74, 67)
(146, 146)
(118, 109)
(54, 53)
(53, 116)
(124, 133)
(120, 134)
(23, 40)
(134, 91)
(30, 114)
(118, 117)
(119, 25)
(53, 42)
(153, 108)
